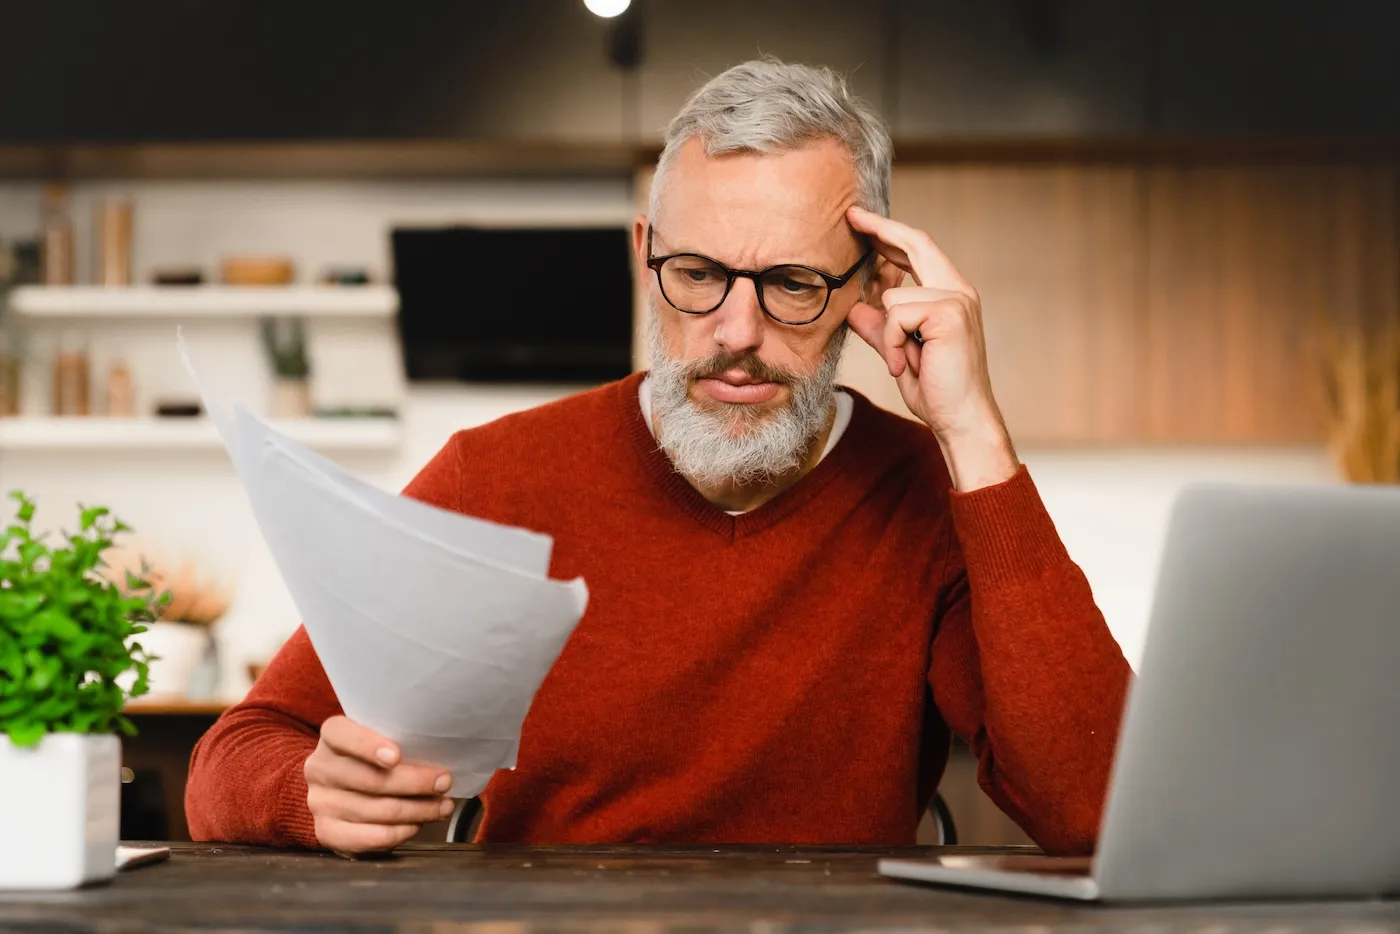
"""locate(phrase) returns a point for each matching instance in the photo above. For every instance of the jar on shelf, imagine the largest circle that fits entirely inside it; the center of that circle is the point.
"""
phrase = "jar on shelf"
(72, 389)
(113, 224)
(9, 376)
(121, 393)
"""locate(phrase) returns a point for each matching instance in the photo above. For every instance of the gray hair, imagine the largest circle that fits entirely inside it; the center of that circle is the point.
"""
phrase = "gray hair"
(771, 106)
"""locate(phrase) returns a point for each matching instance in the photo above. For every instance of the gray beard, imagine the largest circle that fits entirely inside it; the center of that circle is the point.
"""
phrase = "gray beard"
(726, 442)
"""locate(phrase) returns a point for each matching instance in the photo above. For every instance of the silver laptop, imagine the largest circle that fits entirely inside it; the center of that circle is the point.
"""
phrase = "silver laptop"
(1260, 752)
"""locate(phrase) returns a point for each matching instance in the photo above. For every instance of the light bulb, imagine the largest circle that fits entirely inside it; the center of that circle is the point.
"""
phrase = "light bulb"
(607, 8)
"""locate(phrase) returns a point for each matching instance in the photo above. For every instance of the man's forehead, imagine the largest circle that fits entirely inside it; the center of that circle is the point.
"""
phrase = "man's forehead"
(807, 188)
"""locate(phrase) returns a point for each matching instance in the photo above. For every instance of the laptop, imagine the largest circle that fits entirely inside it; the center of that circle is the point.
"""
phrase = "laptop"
(1260, 752)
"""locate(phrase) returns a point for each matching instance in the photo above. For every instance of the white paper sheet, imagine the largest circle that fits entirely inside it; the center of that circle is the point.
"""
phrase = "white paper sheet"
(435, 629)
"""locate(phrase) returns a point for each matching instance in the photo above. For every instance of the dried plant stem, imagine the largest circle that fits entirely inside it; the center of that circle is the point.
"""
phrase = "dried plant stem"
(1362, 382)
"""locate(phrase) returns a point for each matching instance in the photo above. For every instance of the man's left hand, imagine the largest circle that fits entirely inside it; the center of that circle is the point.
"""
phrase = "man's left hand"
(944, 381)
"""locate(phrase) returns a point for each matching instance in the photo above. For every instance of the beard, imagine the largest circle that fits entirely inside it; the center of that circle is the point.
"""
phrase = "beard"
(716, 442)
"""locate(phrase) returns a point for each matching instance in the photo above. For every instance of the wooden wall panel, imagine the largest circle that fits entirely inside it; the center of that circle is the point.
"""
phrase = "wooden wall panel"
(1149, 304)
(1056, 253)
(1241, 262)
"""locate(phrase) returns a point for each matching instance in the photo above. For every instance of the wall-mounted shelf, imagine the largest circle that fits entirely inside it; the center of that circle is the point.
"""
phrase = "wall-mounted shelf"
(173, 434)
(204, 301)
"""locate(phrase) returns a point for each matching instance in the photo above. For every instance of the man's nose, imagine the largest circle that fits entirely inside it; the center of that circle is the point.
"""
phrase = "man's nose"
(739, 319)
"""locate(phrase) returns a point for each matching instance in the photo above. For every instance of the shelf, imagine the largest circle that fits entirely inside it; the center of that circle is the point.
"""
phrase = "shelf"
(204, 301)
(174, 708)
(179, 434)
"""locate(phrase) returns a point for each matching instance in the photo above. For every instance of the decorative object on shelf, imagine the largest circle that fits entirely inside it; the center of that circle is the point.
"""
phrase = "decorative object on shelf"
(179, 408)
(346, 275)
(58, 237)
(257, 270)
(184, 662)
(1361, 379)
(10, 365)
(178, 276)
(358, 412)
(67, 637)
(285, 342)
(113, 225)
(121, 394)
(72, 392)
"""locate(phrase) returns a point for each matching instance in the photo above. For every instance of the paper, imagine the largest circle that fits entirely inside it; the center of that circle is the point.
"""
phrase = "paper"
(435, 629)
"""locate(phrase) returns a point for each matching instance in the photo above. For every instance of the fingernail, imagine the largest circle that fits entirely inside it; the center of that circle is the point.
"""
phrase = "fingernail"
(447, 807)
(443, 783)
(386, 755)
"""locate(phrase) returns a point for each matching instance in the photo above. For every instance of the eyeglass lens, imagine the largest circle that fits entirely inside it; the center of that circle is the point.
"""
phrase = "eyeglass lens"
(698, 285)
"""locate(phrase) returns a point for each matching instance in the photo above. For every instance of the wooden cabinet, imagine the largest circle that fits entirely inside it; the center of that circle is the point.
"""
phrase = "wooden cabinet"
(994, 69)
(1243, 263)
(688, 43)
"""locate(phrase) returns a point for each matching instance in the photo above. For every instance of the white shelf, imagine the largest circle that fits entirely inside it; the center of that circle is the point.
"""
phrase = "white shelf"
(186, 434)
(204, 301)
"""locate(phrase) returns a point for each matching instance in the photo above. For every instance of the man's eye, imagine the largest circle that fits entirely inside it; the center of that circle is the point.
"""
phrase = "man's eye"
(796, 287)
(698, 275)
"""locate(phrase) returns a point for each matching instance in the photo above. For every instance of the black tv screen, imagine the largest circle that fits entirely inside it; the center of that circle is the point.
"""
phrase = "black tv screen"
(514, 305)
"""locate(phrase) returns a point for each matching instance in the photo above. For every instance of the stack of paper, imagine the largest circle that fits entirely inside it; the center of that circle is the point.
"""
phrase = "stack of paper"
(435, 629)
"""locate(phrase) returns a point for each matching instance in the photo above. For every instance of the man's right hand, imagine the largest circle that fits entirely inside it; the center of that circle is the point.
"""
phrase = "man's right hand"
(363, 799)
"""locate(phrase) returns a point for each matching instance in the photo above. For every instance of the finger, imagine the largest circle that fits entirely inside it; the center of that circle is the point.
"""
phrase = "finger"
(869, 322)
(929, 265)
(908, 295)
(902, 320)
(348, 738)
(913, 353)
(339, 771)
(350, 839)
(358, 808)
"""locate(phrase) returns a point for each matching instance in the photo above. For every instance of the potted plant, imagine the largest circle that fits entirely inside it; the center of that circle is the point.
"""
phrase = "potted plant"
(64, 642)
(284, 339)
(184, 665)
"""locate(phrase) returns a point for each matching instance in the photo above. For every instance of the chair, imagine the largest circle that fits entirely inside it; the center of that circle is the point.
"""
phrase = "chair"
(462, 827)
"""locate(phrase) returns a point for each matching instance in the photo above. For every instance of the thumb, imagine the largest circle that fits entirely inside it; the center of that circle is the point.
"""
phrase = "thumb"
(869, 322)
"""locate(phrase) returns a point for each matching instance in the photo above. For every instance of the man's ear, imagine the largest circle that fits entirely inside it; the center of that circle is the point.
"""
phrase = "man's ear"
(639, 243)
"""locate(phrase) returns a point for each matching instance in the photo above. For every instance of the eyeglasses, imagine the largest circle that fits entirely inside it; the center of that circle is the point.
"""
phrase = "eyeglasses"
(790, 294)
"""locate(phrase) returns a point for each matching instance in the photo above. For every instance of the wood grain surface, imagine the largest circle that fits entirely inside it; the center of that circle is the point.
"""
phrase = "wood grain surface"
(637, 890)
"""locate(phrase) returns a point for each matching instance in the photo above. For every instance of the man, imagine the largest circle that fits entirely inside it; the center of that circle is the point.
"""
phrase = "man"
(795, 596)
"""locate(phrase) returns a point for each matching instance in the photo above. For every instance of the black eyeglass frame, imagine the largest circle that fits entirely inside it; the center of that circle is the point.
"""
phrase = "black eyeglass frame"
(654, 263)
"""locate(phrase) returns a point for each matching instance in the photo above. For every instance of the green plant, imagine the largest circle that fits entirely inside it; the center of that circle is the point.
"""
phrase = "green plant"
(285, 342)
(64, 630)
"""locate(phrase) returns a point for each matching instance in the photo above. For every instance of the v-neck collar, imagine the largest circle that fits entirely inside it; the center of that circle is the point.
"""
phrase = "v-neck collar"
(678, 490)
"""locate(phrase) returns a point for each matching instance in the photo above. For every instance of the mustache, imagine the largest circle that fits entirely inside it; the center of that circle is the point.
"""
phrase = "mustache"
(749, 363)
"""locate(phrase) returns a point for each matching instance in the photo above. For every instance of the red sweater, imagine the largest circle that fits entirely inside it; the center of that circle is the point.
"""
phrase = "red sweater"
(788, 675)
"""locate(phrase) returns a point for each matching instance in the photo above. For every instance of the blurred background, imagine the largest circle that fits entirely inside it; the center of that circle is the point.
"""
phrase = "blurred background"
(1183, 217)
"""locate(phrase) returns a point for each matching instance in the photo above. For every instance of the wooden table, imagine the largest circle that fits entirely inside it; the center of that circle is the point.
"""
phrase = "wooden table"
(621, 890)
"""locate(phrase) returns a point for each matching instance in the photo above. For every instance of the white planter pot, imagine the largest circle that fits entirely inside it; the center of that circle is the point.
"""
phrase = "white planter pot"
(180, 647)
(60, 804)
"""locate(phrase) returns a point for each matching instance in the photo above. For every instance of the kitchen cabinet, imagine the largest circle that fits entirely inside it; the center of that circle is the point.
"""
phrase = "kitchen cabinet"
(994, 69)
(1239, 69)
(686, 43)
(1242, 265)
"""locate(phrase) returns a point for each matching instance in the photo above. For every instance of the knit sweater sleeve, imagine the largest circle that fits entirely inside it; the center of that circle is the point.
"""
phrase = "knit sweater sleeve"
(1024, 668)
(245, 779)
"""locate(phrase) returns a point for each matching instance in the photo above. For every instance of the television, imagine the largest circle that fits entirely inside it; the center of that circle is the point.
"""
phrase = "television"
(478, 304)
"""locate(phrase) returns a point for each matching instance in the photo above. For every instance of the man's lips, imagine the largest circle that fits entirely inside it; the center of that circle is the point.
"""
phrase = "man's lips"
(737, 386)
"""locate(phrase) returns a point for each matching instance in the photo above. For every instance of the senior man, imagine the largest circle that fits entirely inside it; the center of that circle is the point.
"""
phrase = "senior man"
(795, 595)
